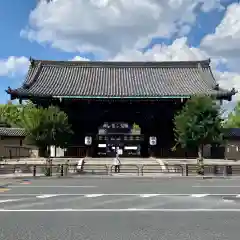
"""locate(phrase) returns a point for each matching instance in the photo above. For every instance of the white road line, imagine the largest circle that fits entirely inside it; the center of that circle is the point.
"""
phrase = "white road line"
(199, 195)
(228, 200)
(65, 186)
(46, 196)
(215, 186)
(9, 200)
(238, 196)
(148, 195)
(121, 194)
(93, 195)
(126, 210)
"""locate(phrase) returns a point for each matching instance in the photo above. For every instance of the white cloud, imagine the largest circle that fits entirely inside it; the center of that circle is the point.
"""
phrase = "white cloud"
(13, 65)
(117, 28)
(79, 58)
(223, 44)
(180, 51)
(225, 40)
(229, 80)
(110, 26)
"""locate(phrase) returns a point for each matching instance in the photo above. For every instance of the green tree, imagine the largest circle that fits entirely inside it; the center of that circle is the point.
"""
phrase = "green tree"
(46, 127)
(198, 123)
(10, 114)
(233, 120)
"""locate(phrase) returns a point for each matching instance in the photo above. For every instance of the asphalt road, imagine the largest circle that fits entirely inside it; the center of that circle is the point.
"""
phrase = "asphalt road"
(126, 208)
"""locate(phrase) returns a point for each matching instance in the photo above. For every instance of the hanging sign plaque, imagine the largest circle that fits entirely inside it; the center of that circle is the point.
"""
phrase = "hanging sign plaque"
(88, 140)
(153, 141)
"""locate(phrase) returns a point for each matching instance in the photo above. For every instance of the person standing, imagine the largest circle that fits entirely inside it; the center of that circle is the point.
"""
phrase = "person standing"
(80, 165)
(116, 162)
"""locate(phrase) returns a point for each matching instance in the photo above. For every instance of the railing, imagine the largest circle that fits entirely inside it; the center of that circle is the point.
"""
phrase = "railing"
(67, 169)
(98, 169)
(213, 169)
(49, 169)
(127, 168)
(155, 169)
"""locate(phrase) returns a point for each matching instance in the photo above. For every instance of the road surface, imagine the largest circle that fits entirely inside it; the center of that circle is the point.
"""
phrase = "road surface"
(126, 208)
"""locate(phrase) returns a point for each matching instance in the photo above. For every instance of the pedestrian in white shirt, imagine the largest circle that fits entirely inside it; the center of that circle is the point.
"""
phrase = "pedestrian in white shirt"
(80, 165)
(117, 163)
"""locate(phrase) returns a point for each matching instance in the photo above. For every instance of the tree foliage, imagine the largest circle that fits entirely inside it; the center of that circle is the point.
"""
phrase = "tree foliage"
(10, 114)
(46, 126)
(198, 123)
(233, 120)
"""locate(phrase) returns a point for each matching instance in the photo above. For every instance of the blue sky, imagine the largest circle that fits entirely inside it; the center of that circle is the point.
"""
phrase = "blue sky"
(14, 16)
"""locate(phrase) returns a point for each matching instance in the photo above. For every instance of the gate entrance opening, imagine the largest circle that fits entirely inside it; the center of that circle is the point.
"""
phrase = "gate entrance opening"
(124, 136)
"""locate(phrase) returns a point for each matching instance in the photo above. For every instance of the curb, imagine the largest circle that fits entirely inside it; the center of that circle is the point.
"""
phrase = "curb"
(14, 179)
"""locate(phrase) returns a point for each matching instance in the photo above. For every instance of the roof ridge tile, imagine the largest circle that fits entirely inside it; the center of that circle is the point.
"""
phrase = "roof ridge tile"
(205, 63)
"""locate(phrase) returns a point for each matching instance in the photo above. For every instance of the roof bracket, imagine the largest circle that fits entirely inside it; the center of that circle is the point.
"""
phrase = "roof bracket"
(9, 90)
(216, 87)
(234, 91)
(32, 62)
(26, 86)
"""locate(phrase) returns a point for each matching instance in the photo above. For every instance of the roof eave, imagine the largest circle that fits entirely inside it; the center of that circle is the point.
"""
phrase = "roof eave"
(22, 95)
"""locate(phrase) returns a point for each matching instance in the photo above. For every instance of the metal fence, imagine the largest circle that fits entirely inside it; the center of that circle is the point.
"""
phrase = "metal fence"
(127, 168)
(158, 169)
(212, 169)
(66, 169)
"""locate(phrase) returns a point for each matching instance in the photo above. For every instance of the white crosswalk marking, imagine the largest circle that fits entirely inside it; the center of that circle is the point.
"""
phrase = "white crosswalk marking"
(126, 202)
(199, 195)
(93, 195)
(149, 195)
(46, 196)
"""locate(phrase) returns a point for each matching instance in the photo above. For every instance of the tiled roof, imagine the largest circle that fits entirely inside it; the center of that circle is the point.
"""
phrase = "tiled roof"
(12, 132)
(119, 79)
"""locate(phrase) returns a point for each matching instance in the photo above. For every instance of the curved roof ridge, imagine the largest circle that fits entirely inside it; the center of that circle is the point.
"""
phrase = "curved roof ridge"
(204, 63)
(209, 80)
